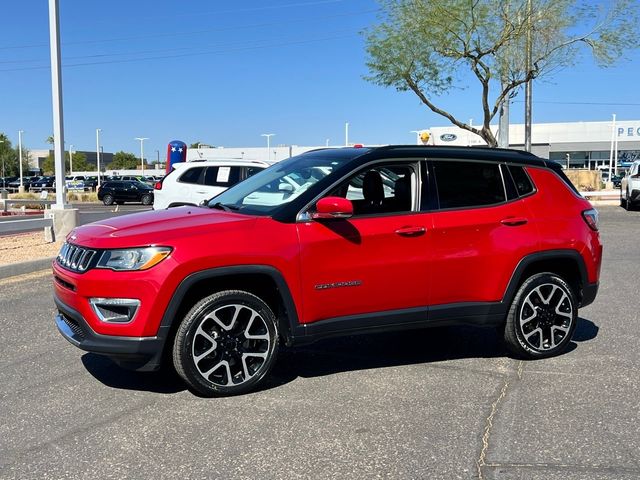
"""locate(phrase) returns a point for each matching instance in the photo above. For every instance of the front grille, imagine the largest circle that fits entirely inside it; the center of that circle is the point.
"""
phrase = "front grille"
(73, 325)
(75, 258)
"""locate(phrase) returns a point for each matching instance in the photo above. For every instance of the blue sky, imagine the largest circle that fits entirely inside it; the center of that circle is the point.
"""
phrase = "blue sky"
(225, 72)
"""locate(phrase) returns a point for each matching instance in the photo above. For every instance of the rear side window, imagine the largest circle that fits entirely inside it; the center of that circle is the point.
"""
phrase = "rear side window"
(524, 186)
(468, 184)
(222, 176)
(192, 175)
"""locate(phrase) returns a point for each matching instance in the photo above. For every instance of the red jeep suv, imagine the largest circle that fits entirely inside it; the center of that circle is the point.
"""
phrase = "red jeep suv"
(334, 242)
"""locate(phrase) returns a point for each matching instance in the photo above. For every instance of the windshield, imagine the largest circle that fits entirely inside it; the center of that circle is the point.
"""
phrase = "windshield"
(266, 191)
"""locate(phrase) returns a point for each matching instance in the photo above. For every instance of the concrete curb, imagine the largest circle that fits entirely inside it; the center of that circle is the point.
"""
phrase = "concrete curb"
(14, 269)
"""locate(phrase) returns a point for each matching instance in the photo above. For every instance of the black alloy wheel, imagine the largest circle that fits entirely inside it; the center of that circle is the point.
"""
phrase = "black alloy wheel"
(542, 317)
(226, 344)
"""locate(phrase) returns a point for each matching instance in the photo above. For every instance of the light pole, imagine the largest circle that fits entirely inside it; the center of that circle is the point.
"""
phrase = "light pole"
(268, 135)
(20, 132)
(346, 134)
(142, 139)
(2, 141)
(98, 130)
(70, 159)
(157, 157)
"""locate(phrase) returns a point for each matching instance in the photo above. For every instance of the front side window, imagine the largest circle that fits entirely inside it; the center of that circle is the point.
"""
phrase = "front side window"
(468, 184)
(380, 189)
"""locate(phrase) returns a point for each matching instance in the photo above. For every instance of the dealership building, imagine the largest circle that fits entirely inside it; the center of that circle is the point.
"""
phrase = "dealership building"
(581, 144)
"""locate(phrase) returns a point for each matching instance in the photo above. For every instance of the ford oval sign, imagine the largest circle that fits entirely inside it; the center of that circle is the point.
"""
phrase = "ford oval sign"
(448, 137)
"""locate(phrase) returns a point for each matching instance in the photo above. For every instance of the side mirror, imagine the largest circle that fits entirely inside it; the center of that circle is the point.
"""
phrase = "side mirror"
(285, 187)
(329, 208)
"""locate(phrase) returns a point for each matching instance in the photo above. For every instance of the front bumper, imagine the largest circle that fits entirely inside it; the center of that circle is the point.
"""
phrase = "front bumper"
(136, 353)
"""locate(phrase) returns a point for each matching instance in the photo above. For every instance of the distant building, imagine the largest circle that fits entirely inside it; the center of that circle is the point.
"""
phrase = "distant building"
(37, 158)
(587, 144)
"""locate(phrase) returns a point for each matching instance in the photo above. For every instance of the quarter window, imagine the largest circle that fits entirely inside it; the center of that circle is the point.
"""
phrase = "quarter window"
(520, 177)
(468, 184)
(192, 175)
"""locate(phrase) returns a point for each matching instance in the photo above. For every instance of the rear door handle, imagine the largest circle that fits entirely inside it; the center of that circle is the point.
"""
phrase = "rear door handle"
(514, 221)
(411, 231)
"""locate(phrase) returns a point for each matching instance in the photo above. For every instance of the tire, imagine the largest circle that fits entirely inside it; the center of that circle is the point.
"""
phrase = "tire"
(146, 200)
(226, 344)
(107, 199)
(627, 203)
(542, 317)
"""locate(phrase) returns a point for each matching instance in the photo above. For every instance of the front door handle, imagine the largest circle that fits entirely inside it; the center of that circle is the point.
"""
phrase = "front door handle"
(514, 221)
(411, 231)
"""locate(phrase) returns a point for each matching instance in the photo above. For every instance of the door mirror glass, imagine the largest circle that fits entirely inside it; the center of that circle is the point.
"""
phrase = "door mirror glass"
(329, 208)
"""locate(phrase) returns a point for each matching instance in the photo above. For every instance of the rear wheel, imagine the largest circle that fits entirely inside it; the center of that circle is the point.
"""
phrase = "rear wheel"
(542, 317)
(226, 344)
(107, 199)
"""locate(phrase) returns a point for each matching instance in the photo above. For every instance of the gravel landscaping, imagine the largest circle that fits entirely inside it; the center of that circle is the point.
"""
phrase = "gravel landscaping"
(25, 247)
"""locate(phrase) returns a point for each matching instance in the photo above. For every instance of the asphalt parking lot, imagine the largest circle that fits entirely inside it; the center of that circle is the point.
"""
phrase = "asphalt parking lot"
(434, 404)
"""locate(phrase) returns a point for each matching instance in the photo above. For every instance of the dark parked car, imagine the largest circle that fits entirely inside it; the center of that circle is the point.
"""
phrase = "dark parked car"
(43, 183)
(90, 184)
(617, 180)
(122, 191)
(26, 183)
(5, 181)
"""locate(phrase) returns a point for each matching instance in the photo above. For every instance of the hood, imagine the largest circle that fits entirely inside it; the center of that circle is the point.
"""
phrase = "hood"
(157, 227)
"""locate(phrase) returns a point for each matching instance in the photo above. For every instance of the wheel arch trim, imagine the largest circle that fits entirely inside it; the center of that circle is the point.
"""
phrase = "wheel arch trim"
(565, 254)
(192, 279)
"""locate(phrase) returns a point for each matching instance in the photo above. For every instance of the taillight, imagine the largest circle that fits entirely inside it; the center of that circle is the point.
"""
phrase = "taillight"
(158, 186)
(591, 218)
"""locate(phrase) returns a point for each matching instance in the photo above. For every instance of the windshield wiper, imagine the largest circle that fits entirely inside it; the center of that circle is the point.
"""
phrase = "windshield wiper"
(224, 206)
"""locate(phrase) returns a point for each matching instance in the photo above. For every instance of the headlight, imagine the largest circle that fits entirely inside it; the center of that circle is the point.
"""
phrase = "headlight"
(133, 258)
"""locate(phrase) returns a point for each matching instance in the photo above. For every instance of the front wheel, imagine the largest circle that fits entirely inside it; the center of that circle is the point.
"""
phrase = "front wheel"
(107, 199)
(147, 200)
(226, 344)
(627, 202)
(542, 317)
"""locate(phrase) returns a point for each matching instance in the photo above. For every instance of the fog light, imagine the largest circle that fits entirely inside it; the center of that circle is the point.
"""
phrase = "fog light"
(115, 310)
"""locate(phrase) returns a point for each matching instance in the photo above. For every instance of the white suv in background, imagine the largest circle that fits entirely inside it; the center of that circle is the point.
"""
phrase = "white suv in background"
(192, 182)
(630, 187)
